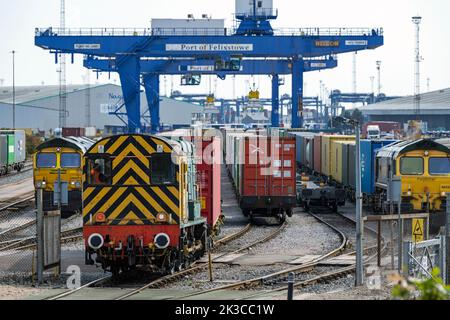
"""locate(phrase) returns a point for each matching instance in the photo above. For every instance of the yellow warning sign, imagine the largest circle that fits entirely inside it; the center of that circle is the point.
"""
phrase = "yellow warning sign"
(417, 230)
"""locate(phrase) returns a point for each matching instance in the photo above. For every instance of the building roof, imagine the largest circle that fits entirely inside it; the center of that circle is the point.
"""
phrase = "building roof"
(431, 103)
(29, 94)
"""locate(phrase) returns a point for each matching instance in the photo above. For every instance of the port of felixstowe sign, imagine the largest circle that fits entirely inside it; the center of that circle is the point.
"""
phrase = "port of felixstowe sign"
(209, 47)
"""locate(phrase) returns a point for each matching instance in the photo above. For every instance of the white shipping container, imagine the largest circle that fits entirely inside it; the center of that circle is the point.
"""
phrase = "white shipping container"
(90, 131)
(202, 27)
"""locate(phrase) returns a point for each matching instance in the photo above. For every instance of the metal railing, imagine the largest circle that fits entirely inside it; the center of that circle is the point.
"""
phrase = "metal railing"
(51, 32)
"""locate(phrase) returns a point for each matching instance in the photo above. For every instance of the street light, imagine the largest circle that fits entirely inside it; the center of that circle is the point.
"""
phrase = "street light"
(359, 224)
(14, 89)
(378, 63)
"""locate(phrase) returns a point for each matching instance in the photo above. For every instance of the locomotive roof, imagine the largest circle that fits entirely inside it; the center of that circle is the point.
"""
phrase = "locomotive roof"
(78, 143)
(172, 143)
(396, 149)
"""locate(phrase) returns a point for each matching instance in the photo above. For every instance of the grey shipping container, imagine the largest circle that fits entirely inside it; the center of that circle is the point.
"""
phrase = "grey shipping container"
(3, 151)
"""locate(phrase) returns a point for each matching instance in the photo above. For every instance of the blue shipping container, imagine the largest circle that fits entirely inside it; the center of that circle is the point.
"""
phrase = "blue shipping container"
(369, 149)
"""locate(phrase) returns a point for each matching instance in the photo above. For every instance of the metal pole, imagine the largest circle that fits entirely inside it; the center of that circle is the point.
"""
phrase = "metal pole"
(447, 240)
(359, 222)
(400, 236)
(379, 244)
(291, 286)
(40, 235)
(14, 89)
(442, 254)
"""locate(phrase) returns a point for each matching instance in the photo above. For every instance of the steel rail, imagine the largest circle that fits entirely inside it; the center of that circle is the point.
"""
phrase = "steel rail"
(69, 292)
(170, 278)
(285, 272)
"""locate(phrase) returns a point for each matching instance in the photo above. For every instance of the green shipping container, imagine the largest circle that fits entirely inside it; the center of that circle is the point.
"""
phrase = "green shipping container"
(11, 149)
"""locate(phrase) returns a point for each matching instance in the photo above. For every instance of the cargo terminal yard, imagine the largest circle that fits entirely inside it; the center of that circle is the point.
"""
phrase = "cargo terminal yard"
(213, 160)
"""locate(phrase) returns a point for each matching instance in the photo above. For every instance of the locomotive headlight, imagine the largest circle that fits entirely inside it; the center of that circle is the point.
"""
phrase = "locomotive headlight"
(426, 153)
(162, 241)
(161, 217)
(40, 184)
(95, 241)
(409, 193)
(443, 194)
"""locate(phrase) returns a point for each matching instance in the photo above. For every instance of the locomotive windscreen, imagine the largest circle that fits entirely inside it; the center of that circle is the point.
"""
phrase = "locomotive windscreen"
(438, 166)
(70, 160)
(162, 169)
(99, 171)
(46, 160)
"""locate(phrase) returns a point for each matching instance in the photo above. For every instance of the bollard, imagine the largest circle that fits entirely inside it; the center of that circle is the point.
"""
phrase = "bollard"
(291, 286)
(211, 279)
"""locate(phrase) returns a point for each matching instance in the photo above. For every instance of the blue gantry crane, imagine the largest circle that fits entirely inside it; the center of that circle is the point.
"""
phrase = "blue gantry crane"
(152, 69)
(253, 39)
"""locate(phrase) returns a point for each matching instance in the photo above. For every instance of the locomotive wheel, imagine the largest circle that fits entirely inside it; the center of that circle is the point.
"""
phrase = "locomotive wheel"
(335, 208)
(306, 207)
(282, 217)
(290, 213)
(115, 270)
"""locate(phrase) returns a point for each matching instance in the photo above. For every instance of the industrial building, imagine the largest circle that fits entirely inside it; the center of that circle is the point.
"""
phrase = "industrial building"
(434, 110)
(37, 107)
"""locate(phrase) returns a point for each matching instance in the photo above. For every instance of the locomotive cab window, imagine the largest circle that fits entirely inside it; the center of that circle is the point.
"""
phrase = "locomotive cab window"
(438, 166)
(411, 166)
(162, 169)
(46, 160)
(70, 160)
(99, 171)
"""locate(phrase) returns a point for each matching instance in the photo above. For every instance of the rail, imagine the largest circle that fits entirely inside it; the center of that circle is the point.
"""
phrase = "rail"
(120, 32)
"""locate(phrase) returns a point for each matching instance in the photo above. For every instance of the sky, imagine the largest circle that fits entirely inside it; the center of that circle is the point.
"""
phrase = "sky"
(35, 66)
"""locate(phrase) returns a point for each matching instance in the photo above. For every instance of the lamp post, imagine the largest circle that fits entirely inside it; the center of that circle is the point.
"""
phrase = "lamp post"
(14, 89)
(359, 221)
(378, 63)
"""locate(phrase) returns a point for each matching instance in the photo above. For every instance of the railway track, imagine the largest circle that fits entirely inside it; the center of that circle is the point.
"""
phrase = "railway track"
(28, 167)
(16, 204)
(282, 274)
(331, 275)
(166, 279)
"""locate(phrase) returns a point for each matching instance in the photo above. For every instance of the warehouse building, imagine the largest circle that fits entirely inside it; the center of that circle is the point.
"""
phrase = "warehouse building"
(37, 107)
(434, 110)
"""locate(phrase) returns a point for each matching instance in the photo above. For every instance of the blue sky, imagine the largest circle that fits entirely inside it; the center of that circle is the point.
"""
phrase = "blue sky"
(18, 19)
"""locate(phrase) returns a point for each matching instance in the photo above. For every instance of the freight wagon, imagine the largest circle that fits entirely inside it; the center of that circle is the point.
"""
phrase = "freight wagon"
(12, 150)
(208, 158)
(263, 170)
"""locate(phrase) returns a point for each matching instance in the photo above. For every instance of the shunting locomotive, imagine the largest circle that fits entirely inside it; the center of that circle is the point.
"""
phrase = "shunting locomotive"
(141, 204)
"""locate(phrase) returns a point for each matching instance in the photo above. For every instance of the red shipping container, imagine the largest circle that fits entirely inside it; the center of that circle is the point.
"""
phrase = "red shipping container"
(269, 168)
(209, 179)
(385, 126)
(317, 153)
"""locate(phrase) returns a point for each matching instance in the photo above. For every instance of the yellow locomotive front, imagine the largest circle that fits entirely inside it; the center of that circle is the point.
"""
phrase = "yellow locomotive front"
(424, 169)
(57, 163)
(425, 179)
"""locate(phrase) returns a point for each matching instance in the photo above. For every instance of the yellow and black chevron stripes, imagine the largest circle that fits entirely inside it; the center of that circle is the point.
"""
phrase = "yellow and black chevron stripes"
(131, 198)
(146, 144)
(130, 205)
